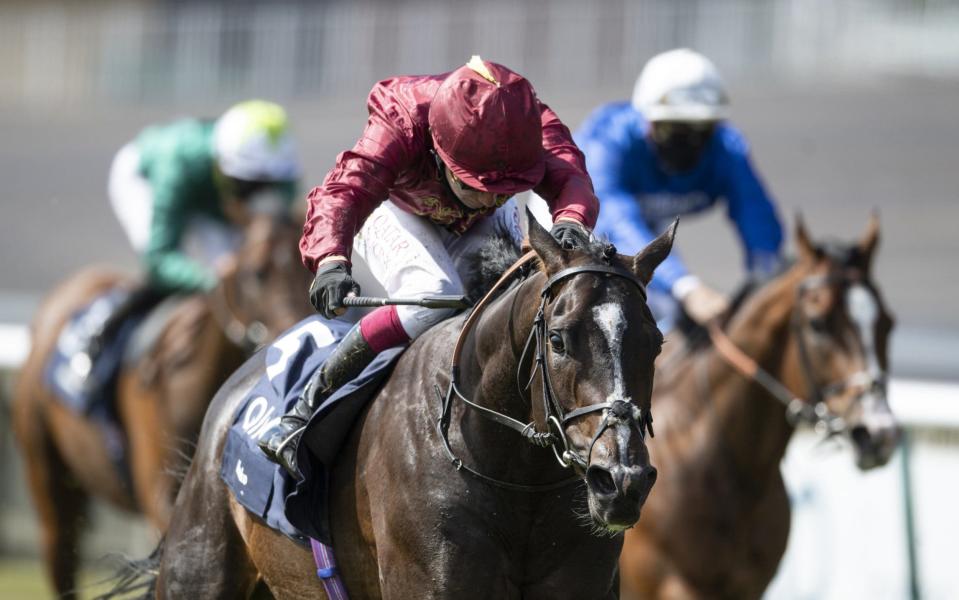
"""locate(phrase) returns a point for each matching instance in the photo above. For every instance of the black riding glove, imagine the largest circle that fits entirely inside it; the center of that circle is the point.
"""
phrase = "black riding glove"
(570, 235)
(330, 286)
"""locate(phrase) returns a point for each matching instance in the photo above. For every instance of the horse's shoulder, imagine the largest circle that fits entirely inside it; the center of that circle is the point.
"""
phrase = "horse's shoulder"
(436, 345)
(228, 399)
(170, 333)
(188, 317)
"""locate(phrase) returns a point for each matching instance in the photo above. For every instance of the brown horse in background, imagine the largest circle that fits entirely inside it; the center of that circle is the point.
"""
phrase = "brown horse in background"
(161, 399)
(718, 523)
(406, 522)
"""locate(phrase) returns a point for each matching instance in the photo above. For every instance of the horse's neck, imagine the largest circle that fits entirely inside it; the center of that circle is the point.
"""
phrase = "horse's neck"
(489, 369)
(749, 425)
(497, 343)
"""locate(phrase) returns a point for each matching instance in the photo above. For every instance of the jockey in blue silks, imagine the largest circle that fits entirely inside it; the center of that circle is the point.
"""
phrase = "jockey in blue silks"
(671, 152)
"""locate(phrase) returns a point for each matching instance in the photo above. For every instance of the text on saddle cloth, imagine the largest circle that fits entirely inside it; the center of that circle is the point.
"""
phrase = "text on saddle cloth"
(298, 509)
(84, 387)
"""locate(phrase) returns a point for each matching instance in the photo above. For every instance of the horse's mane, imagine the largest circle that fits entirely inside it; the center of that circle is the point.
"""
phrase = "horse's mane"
(485, 267)
(697, 337)
(841, 252)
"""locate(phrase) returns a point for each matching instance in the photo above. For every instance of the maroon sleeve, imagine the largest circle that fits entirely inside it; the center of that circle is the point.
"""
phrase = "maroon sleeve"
(359, 182)
(566, 186)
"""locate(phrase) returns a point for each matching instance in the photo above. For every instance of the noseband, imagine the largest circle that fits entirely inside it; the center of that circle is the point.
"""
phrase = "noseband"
(557, 419)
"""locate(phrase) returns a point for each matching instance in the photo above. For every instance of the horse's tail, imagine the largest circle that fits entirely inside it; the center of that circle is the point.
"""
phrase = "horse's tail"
(179, 464)
(135, 576)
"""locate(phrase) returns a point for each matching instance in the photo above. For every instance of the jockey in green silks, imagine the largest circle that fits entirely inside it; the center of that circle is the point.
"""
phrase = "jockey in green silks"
(181, 189)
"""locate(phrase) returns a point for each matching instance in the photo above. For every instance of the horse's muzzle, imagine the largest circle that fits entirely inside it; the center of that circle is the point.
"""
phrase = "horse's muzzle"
(874, 443)
(617, 493)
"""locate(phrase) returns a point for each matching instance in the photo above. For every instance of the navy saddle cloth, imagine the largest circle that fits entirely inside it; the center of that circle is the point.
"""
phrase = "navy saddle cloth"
(299, 509)
(90, 390)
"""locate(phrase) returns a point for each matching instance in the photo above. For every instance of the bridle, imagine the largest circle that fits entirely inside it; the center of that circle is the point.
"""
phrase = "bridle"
(247, 335)
(557, 419)
(815, 411)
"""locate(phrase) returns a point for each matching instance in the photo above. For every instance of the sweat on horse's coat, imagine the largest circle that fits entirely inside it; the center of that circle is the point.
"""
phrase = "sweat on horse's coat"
(408, 523)
(298, 509)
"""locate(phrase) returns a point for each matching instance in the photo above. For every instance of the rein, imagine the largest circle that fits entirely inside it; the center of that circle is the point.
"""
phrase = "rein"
(248, 336)
(815, 412)
(797, 410)
(557, 419)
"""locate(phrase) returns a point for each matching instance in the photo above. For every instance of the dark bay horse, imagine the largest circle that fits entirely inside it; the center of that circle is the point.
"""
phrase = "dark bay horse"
(406, 522)
(161, 399)
(717, 525)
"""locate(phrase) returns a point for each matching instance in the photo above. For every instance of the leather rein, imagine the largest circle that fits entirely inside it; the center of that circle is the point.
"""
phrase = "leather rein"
(814, 412)
(247, 336)
(557, 419)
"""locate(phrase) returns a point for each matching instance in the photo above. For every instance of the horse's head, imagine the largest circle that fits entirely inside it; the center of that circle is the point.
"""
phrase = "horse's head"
(264, 292)
(598, 342)
(841, 327)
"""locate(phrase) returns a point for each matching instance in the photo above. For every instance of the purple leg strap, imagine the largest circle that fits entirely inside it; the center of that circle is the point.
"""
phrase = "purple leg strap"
(326, 571)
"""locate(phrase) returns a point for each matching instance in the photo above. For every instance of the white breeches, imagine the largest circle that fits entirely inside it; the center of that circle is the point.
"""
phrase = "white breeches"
(410, 256)
(205, 239)
(131, 197)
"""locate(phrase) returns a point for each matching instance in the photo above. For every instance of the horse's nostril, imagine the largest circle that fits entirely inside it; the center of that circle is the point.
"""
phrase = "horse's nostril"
(859, 434)
(600, 480)
(650, 474)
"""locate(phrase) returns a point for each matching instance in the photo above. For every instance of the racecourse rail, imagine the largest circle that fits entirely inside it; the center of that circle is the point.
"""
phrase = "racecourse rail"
(891, 533)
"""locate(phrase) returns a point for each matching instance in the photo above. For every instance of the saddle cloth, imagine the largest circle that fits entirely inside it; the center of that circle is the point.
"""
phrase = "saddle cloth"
(84, 388)
(298, 509)
(90, 389)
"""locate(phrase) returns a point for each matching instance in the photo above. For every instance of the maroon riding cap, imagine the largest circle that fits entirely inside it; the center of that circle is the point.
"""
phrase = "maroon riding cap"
(487, 127)
(395, 157)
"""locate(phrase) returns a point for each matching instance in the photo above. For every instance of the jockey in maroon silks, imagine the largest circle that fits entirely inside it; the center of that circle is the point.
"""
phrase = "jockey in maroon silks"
(429, 181)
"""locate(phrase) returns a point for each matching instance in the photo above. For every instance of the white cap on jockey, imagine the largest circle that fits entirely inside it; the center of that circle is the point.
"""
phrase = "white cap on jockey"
(680, 85)
(252, 141)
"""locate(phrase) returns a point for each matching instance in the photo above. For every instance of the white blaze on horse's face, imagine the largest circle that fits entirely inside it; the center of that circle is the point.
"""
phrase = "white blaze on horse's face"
(612, 322)
(863, 309)
(864, 312)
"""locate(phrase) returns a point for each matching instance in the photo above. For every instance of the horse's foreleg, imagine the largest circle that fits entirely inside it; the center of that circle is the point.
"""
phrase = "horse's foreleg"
(204, 555)
(151, 450)
(59, 500)
(288, 569)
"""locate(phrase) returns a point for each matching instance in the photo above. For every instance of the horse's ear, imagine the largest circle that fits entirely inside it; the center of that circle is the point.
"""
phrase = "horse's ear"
(546, 247)
(646, 261)
(807, 250)
(870, 239)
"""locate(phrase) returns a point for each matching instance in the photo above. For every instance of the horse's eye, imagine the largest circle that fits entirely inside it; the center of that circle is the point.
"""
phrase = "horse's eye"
(819, 325)
(556, 343)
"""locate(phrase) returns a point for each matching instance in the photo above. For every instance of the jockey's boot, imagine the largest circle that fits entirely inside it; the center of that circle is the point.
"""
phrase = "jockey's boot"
(141, 299)
(347, 360)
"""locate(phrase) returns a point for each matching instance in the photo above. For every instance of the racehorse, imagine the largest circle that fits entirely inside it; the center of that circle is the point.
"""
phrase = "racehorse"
(808, 346)
(489, 515)
(161, 399)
